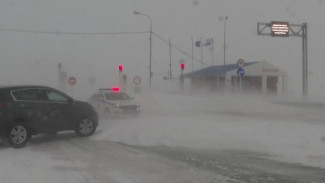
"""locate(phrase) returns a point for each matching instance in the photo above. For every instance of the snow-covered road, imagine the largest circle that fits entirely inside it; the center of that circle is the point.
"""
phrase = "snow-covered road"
(289, 132)
(69, 159)
(223, 130)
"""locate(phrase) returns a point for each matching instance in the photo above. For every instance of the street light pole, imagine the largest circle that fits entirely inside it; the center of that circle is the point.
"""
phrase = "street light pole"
(224, 41)
(150, 44)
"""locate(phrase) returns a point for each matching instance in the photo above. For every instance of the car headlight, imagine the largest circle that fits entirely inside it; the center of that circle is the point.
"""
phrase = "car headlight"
(116, 105)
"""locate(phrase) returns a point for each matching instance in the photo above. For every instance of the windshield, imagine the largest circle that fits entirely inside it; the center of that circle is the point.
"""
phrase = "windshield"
(162, 91)
(116, 96)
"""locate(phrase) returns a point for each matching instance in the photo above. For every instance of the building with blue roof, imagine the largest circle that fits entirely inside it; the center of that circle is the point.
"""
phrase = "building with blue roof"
(258, 76)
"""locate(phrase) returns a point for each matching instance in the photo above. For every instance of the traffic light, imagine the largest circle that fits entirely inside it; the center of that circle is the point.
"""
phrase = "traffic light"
(120, 68)
(182, 66)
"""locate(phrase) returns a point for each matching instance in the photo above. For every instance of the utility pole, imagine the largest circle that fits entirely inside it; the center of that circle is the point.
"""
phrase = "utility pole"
(304, 59)
(224, 41)
(170, 59)
(201, 45)
(212, 50)
(192, 52)
(150, 44)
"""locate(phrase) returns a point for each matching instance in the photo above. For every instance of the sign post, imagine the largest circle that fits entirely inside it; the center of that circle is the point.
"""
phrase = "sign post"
(137, 81)
(240, 73)
(72, 81)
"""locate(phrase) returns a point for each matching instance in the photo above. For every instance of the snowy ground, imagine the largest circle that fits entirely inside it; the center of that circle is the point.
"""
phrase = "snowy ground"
(287, 131)
(230, 130)
(73, 160)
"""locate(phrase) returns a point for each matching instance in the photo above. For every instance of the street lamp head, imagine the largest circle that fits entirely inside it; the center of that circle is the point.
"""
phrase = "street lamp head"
(136, 13)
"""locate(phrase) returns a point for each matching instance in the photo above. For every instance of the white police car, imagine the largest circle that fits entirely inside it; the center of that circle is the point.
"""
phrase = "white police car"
(112, 102)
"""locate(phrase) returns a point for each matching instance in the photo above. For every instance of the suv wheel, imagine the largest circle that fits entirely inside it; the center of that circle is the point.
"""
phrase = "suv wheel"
(18, 135)
(85, 127)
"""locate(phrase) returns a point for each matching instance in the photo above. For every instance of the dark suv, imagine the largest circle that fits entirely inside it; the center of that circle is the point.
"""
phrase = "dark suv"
(29, 110)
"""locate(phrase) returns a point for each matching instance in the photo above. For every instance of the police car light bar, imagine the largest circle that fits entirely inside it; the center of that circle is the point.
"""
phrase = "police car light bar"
(115, 89)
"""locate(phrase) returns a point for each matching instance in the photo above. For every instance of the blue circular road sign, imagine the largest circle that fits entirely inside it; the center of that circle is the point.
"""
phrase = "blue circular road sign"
(241, 72)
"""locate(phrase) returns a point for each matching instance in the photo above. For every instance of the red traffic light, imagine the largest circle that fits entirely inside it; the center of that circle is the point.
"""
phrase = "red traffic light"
(120, 68)
(182, 66)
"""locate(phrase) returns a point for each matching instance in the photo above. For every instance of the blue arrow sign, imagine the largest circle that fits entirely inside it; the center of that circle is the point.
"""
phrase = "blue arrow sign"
(241, 72)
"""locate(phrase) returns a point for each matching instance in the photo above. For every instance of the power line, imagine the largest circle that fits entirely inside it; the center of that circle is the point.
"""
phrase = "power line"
(99, 33)
(68, 33)
(178, 49)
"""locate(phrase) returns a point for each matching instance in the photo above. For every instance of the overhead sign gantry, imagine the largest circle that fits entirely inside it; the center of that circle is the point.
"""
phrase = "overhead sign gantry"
(285, 29)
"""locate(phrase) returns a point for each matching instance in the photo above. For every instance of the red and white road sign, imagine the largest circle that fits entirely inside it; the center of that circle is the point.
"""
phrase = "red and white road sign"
(137, 80)
(240, 63)
(72, 80)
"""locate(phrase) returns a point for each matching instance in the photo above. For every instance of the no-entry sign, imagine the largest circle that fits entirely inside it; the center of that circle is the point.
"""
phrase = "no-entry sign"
(72, 80)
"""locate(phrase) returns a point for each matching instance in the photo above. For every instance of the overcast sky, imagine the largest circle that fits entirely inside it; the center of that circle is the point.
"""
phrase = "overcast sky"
(26, 56)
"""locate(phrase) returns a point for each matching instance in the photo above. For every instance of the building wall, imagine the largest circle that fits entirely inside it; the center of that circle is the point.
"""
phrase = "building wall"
(261, 77)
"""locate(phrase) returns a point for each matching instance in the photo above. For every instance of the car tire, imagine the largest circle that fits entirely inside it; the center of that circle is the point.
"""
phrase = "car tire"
(85, 127)
(18, 135)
